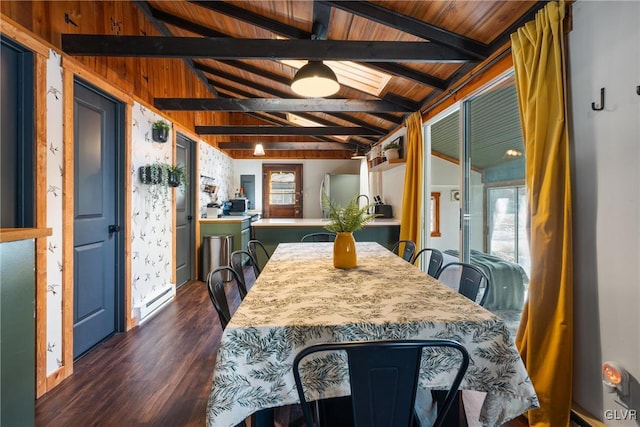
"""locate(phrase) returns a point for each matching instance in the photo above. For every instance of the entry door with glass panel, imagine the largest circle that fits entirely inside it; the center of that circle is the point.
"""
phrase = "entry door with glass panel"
(282, 186)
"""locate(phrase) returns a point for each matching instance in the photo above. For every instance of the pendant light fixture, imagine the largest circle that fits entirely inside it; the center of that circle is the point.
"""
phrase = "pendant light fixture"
(259, 150)
(358, 154)
(315, 79)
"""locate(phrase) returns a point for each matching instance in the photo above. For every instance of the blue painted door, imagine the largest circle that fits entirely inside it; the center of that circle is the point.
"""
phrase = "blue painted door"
(185, 224)
(95, 210)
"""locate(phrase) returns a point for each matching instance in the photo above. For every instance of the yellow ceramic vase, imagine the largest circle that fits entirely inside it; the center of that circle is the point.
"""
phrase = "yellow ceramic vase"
(344, 251)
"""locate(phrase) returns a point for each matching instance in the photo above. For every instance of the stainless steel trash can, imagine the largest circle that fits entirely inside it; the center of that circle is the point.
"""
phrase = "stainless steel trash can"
(216, 252)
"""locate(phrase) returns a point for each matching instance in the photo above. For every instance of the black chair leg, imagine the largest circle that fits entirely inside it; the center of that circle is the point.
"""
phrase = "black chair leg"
(456, 415)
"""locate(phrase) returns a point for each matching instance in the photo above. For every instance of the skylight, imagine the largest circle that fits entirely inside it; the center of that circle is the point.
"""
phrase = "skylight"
(301, 121)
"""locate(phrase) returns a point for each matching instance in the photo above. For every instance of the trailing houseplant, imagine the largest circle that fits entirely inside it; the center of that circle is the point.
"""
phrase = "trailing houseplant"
(177, 176)
(160, 177)
(160, 131)
(344, 220)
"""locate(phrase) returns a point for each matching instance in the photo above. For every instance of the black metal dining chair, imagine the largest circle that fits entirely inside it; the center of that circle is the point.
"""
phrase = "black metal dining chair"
(262, 253)
(471, 280)
(238, 261)
(407, 252)
(435, 260)
(217, 294)
(318, 237)
(383, 376)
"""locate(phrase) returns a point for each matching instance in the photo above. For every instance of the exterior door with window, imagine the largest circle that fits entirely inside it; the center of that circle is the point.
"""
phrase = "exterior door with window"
(282, 191)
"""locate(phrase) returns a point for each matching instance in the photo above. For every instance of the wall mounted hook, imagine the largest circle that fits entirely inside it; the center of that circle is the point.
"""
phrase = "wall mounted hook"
(68, 20)
(601, 107)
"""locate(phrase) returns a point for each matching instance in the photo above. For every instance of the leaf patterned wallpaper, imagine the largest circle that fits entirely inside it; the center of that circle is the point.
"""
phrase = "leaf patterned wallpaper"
(151, 233)
(55, 172)
(219, 166)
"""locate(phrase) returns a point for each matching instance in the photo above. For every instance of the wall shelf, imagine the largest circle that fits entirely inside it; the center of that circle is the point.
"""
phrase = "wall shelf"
(388, 165)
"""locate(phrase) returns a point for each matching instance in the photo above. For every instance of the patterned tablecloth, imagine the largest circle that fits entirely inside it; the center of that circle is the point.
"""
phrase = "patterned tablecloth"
(300, 299)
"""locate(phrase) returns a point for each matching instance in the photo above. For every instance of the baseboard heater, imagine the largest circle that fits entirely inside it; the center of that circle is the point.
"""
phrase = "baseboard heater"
(580, 418)
(154, 305)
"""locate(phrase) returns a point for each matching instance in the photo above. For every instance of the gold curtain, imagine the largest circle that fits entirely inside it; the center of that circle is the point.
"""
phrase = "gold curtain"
(412, 191)
(545, 336)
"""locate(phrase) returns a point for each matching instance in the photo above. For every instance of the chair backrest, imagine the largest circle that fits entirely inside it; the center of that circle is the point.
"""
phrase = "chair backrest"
(217, 294)
(471, 280)
(407, 253)
(252, 247)
(384, 378)
(238, 262)
(435, 260)
(318, 237)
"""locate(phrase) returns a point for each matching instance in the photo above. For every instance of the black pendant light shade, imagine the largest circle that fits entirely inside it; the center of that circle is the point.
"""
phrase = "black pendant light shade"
(315, 79)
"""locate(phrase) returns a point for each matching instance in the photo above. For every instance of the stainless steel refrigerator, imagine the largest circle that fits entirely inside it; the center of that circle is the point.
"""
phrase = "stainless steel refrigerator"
(340, 188)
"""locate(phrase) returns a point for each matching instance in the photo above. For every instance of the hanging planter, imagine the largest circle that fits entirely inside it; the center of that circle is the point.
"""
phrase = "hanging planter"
(161, 177)
(152, 174)
(160, 131)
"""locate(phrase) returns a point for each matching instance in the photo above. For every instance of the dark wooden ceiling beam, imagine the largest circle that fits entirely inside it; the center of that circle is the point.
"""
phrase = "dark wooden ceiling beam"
(285, 146)
(284, 130)
(232, 91)
(225, 48)
(390, 68)
(409, 74)
(321, 20)
(276, 104)
(146, 11)
(410, 25)
(269, 90)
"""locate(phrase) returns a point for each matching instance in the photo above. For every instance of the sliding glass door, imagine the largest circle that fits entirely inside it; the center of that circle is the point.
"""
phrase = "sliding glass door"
(476, 174)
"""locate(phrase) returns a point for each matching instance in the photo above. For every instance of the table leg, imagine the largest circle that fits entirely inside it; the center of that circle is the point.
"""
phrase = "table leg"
(264, 418)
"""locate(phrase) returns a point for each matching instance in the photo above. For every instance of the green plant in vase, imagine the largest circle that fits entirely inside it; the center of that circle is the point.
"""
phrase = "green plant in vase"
(344, 220)
(391, 150)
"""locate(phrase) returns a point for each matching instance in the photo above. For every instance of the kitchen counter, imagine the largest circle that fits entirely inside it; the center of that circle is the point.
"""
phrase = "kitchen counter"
(315, 222)
(229, 219)
(273, 231)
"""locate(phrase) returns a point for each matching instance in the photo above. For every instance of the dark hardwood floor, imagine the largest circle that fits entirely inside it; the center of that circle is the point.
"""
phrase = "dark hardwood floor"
(158, 374)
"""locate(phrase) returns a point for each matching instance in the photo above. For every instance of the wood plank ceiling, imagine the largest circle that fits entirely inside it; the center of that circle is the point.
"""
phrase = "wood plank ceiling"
(238, 48)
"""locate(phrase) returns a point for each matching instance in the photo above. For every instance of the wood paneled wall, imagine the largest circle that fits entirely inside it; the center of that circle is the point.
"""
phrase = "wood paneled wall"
(142, 78)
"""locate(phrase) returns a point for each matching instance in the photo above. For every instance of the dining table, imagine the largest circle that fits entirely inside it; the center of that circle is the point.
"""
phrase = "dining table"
(300, 299)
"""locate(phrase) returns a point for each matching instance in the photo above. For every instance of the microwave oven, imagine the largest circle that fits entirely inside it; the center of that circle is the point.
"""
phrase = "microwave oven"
(236, 206)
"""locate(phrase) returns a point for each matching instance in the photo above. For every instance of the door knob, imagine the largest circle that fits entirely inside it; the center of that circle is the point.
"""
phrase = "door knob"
(114, 228)
(189, 217)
